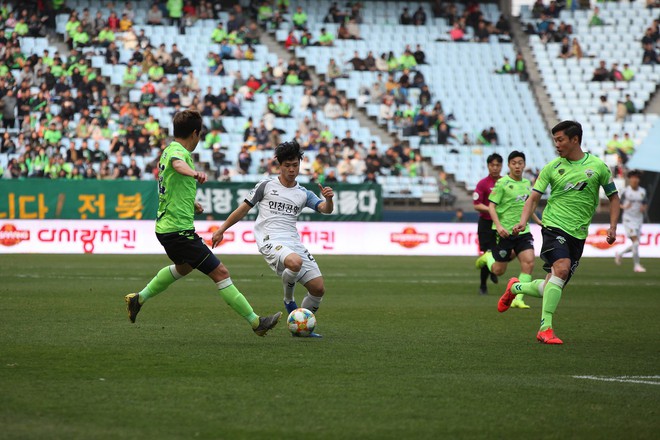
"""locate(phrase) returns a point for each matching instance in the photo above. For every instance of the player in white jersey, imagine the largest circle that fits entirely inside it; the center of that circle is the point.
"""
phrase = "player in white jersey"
(633, 203)
(281, 200)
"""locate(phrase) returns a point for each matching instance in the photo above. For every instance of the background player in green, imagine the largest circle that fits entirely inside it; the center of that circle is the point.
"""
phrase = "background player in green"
(575, 178)
(177, 188)
(506, 204)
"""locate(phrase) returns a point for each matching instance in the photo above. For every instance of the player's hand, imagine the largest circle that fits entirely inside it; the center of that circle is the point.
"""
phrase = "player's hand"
(517, 229)
(198, 208)
(611, 235)
(200, 177)
(217, 237)
(326, 192)
(502, 232)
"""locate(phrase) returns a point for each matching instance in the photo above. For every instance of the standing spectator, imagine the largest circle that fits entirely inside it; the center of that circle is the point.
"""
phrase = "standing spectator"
(175, 11)
(405, 17)
(419, 17)
(8, 105)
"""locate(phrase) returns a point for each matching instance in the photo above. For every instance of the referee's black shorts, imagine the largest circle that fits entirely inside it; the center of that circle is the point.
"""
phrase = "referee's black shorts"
(486, 234)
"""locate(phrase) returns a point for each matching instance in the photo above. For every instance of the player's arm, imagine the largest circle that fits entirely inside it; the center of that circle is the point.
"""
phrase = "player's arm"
(326, 206)
(530, 206)
(477, 200)
(496, 220)
(181, 167)
(537, 219)
(236, 216)
(615, 211)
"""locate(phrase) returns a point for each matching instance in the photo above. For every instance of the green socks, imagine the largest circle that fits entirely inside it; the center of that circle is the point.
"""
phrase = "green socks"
(524, 278)
(159, 283)
(490, 260)
(551, 297)
(237, 301)
(530, 288)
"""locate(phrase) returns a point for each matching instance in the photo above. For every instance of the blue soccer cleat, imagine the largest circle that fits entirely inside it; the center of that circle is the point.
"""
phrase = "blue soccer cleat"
(290, 306)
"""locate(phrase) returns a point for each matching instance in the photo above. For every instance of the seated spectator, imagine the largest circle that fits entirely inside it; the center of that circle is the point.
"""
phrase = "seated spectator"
(419, 17)
(332, 109)
(506, 67)
(405, 17)
(381, 63)
(291, 41)
(650, 55)
(627, 73)
(481, 34)
(456, 33)
(615, 73)
(326, 38)
(333, 70)
(219, 34)
(630, 106)
(604, 107)
(343, 33)
(595, 19)
(601, 73)
(446, 196)
(503, 26)
(420, 56)
(386, 110)
(346, 111)
(299, 19)
(155, 15)
(358, 63)
(576, 49)
(353, 29)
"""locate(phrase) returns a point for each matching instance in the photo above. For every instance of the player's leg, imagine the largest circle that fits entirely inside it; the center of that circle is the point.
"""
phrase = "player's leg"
(619, 255)
(637, 267)
(484, 229)
(315, 291)
(292, 266)
(176, 251)
(524, 249)
(218, 272)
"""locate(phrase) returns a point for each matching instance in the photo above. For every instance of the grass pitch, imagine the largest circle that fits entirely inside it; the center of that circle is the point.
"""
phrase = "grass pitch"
(410, 351)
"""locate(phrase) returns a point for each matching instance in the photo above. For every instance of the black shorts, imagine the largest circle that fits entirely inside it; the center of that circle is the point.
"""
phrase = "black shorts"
(188, 247)
(557, 244)
(505, 247)
(486, 234)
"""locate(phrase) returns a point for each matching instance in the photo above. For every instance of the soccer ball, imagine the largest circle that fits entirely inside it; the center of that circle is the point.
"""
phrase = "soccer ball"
(301, 322)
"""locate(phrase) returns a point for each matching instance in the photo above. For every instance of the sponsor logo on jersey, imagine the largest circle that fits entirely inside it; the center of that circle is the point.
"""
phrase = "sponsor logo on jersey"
(10, 236)
(274, 192)
(561, 239)
(278, 247)
(409, 238)
(475, 196)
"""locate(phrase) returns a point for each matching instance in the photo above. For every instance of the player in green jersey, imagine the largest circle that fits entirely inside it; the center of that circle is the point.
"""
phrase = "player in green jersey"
(177, 188)
(575, 178)
(506, 204)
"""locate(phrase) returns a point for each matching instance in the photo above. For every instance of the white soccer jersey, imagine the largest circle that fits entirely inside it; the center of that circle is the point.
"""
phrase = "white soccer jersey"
(635, 198)
(279, 208)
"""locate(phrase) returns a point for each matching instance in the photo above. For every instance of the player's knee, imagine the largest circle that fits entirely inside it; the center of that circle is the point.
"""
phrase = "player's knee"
(499, 269)
(561, 271)
(293, 262)
(317, 290)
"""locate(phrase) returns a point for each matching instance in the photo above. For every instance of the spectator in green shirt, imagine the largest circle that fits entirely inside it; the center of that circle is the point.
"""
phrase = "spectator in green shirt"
(80, 38)
(299, 19)
(219, 34)
(627, 73)
(21, 28)
(175, 9)
(595, 18)
(156, 73)
(52, 135)
(212, 138)
(106, 36)
(407, 60)
(264, 13)
(326, 38)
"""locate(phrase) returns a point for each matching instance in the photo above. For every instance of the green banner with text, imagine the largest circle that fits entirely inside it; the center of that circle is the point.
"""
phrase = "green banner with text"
(138, 200)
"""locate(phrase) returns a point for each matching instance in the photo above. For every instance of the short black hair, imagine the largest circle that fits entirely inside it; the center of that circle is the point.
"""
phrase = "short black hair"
(516, 153)
(634, 173)
(494, 158)
(288, 151)
(570, 129)
(186, 122)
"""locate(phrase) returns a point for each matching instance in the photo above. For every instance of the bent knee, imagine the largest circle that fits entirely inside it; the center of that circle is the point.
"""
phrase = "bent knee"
(293, 262)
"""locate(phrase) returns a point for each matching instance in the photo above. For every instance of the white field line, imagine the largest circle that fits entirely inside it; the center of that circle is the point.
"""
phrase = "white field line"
(624, 379)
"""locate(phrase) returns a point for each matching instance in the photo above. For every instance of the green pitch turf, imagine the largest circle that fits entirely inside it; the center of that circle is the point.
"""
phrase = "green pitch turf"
(411, 351)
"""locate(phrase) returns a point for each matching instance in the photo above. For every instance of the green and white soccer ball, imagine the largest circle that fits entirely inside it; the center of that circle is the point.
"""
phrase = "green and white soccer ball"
(301, 322)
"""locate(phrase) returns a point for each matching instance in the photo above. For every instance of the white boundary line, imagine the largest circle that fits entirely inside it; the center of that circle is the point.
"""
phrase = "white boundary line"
(623, 379)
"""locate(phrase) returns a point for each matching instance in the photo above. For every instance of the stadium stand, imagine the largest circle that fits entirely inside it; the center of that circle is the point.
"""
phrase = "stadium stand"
(248, 86)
